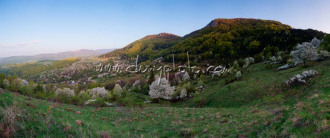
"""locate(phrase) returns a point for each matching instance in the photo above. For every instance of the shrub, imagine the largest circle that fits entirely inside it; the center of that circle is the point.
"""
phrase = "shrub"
(178, 76)
(39, 88)
(6, 84)
(67, 92)
(84, 95)
(151, 77)
(199, 100)
(161, 88)
(136, 84)
(248, 60)
(183, 93)
(300, 78)
(189, 88)
(120, 83)
(117, 91)
(109, 86)
(93, 85)
(180, 92)
(200, 83)
(323, 54)
(145, 89)
(258, 58)
(273, 59)
(238, 75)
(109, 97)
(231, 70)
(279, 59)
(240, 63)
(96, 102)
(2, 77)
(98, 92)
(186, 77)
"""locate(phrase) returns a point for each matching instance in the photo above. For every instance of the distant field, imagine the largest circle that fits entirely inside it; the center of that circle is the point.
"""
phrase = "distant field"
(29, 69)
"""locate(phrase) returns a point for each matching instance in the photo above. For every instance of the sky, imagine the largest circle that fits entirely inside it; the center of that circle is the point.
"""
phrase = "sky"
(30, 27)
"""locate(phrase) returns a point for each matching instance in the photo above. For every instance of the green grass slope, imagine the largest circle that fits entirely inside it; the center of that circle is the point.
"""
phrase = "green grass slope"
(259, 84)
(257, 106)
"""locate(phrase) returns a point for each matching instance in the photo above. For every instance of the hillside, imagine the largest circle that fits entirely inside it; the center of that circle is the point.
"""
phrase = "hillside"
(225, 40)
(147, 47)
(257, 106)
(54, 56)
(266, 88)
(221, 40)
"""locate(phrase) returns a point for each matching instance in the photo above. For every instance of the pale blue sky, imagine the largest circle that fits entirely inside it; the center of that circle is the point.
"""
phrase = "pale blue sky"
(29, 27)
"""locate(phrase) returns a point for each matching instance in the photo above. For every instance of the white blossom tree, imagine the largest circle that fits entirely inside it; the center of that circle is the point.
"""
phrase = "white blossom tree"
(305, 51)
(161, 88)
(64, 92)
(98, 91)
(238, 75)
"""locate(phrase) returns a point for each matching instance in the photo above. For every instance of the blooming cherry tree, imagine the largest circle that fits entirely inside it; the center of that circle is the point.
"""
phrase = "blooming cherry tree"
(161, 88)
(305, 51)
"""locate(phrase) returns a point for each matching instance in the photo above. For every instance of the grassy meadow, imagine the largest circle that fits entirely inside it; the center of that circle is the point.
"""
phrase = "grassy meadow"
(259, 105)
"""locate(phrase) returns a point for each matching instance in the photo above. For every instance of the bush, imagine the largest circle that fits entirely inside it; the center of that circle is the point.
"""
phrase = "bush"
(84, 96)
(161, 88)
(25, 90)
(230, 80)
(6, 84)
(98, 102)
(66, 92)
(93, 85)
(240, 63)
(121, 83)
(189, 88)
(98, 92)
(117, 91)
(300, 78)
(258, 58)
(199, 100)
(2, 77)
(109, 97)
(145, 89)
(186, 77)
(39, 88)
(109, 86)
(180, 92)
(238, 75)
(151, 77)
(200, 83)
(136, 84)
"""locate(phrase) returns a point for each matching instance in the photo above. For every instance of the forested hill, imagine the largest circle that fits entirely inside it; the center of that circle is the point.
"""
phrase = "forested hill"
(222, 40)
(147, 47)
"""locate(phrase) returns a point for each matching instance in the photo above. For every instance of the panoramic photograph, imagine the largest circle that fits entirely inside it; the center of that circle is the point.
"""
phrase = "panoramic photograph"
(164, 68)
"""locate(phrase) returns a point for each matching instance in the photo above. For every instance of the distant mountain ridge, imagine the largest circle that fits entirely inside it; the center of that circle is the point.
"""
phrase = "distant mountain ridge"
(54, 56)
